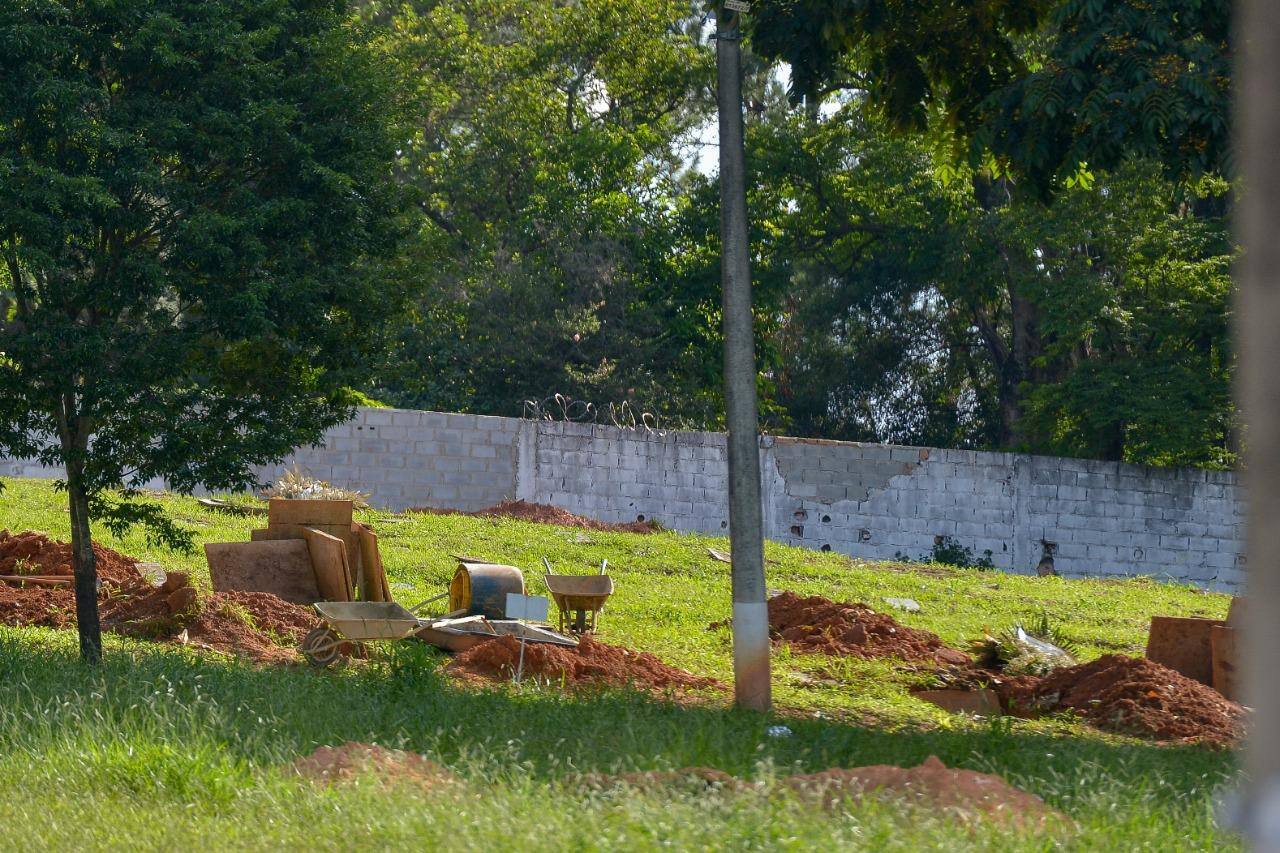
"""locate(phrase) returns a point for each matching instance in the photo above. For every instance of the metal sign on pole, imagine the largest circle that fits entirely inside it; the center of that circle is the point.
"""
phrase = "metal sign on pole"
(522, 608)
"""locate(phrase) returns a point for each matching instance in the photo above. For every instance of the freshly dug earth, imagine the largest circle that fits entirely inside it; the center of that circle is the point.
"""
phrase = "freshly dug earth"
(352, 760)
(256, 625)
(592, 662)
(818, 625)
(932, 785)
(545, 514)
(1140, 697)
(33, 553)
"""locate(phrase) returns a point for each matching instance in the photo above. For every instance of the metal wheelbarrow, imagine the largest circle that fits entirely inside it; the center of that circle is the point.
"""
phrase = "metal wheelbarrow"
(354, 621)
(579, 598)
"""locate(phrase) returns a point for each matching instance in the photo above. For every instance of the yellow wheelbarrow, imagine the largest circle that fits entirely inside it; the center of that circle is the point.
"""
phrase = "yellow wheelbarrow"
(579, 598)
(355, 622)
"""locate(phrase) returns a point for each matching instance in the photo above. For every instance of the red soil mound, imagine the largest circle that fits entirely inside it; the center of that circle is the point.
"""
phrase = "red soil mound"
(592, 662)
(933, 785)
(32, 553)
(822, 626)
(545, 514)
(352, 760)
(256, 625)
(1140, 697)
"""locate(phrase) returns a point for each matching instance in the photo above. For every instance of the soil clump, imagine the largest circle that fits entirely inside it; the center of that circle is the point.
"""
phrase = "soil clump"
(352, 760)
(256, 625)
(818, 625)
(546, 514)
(1139, 697)
(932, 785)
(31, 553)
(590, 663)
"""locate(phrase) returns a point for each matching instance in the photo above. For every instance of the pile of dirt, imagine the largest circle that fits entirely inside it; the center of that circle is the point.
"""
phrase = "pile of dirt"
(352, 760)
(546, 514)
(932, 785)
(819, 625)
(256, 625)
(31, 553)
(1139, 697)
(591, 662)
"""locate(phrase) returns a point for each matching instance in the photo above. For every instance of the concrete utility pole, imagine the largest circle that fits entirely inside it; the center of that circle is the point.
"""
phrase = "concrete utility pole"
(1258, 329)
(746, 522)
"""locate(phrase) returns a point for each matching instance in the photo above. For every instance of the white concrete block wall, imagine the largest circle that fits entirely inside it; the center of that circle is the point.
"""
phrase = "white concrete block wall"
(868, 500)
(407, 458)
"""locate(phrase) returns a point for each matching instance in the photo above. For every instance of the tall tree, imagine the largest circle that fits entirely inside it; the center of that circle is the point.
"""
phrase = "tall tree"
(546, 175)
(929, 304)
(192, 195)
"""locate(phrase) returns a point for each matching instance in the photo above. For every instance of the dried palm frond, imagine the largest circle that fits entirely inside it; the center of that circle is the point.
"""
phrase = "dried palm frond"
(297, 484)
(1025, 651)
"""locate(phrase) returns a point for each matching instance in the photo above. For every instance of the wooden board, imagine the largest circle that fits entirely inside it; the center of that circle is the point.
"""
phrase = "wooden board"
(374, 579)
(282, 567)
(329, 560)
(307, 512)
(295, 531)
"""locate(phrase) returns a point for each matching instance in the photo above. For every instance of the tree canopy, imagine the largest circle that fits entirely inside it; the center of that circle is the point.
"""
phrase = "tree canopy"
(194, 197)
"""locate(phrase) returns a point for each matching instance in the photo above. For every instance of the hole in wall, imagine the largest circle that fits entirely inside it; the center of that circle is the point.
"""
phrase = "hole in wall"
(723, 525)
(640, 517)
(864, 535)
(826, 519)
(797, 530)
(826, 547)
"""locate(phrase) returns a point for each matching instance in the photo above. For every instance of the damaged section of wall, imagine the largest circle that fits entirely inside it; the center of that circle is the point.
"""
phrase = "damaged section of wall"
(865, 500)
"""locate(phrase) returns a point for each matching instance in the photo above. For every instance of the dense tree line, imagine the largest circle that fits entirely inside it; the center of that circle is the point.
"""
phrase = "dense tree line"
(1003, 229)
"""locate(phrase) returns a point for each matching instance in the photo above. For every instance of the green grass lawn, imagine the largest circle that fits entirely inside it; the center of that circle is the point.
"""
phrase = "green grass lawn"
(160, 747)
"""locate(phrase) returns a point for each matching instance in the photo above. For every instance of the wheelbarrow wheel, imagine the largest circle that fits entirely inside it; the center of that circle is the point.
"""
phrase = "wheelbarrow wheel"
(321, 647)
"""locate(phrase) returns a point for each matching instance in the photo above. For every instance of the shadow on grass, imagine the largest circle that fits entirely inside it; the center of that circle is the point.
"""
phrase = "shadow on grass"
(266, 716)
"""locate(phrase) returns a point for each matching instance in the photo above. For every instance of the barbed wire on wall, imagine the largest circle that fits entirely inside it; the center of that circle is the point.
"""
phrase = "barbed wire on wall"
(560, 407)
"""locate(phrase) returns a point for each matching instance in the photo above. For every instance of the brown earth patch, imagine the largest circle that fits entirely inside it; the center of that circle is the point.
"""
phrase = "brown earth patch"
(351, 761)
(545, 514)
(256, 625)
(818, 625)
(932, 785)
(31, 553)
(1139, 697)
(590, 663)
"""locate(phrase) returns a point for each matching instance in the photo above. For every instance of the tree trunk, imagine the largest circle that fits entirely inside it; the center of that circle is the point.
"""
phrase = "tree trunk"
(746, 522)
(1025, 319)
(85, 567)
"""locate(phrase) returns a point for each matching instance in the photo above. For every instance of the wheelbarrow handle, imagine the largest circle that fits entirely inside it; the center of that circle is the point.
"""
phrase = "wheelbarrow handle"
(432, 600)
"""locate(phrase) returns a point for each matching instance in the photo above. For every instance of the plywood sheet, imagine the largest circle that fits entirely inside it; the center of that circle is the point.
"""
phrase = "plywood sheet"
(374, 579)
(282, 567)
(295, 531)
(308, 512)
(329, 560)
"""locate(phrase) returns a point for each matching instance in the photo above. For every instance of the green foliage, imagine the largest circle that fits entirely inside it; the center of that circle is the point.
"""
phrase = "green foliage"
(193, 197)
(1114, 80)
(545, 173)
(909, 56)
(937, 306)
